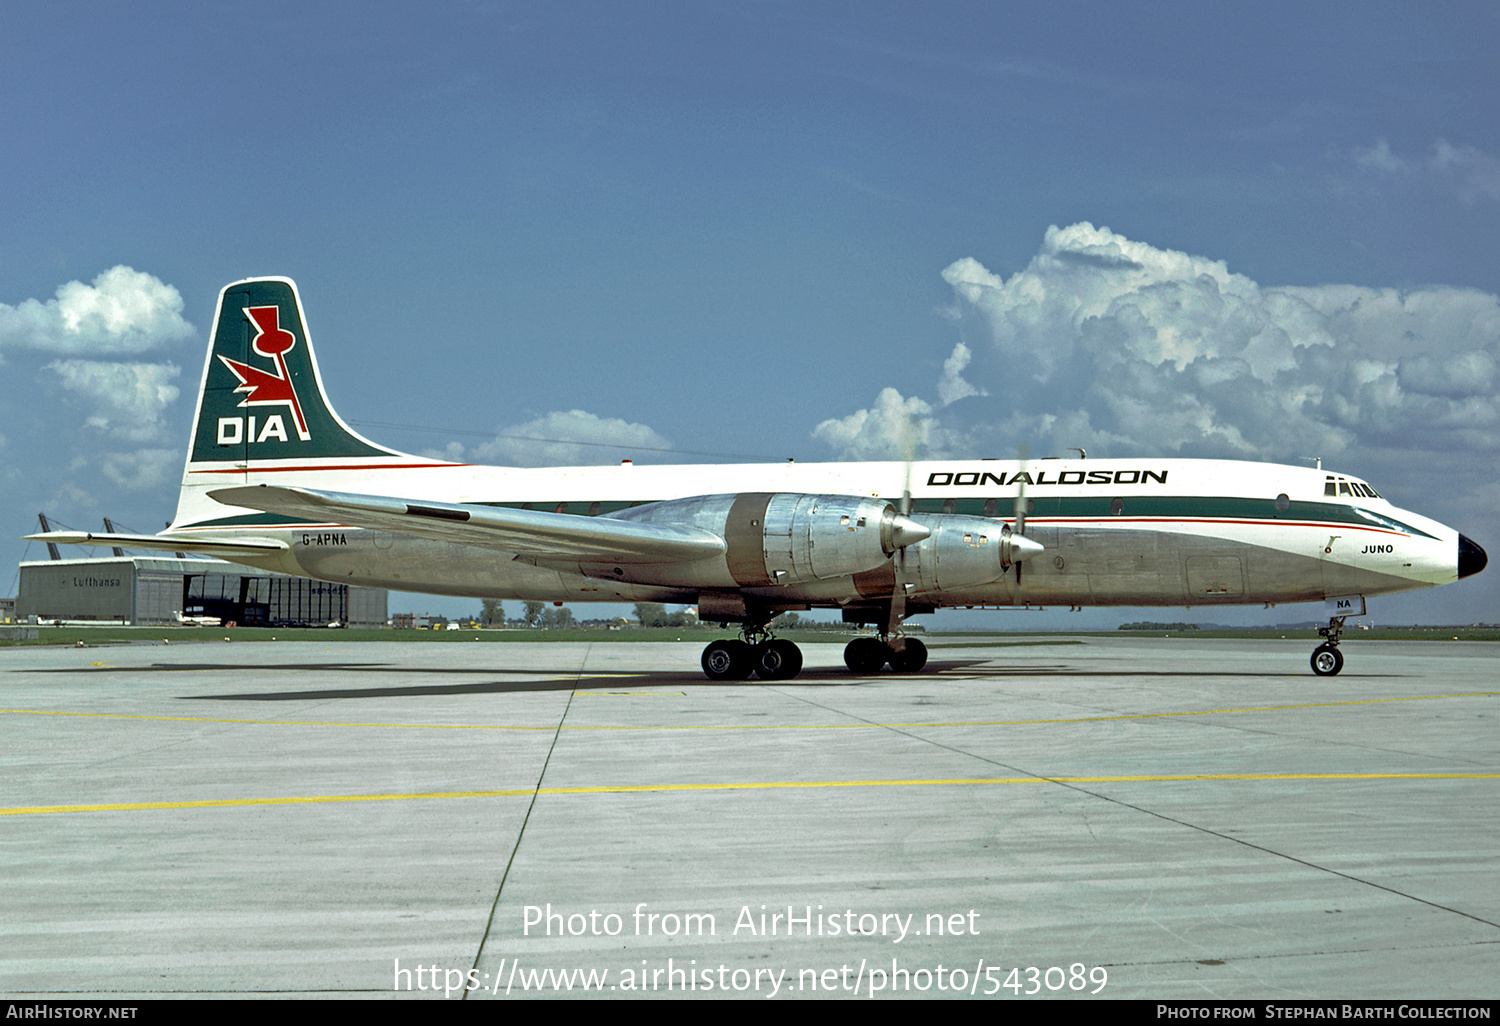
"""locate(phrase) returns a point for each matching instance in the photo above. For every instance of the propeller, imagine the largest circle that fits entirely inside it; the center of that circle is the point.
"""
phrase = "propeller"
(1022, 455)
(898, 591)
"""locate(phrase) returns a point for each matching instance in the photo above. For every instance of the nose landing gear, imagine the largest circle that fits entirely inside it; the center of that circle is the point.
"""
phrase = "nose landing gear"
(1327, 660)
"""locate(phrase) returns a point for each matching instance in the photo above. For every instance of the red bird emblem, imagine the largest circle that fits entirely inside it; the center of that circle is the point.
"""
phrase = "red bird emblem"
(264, 389)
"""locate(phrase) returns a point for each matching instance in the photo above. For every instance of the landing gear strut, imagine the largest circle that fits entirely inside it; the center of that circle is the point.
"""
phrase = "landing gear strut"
(1327, 660)
(758, 653)
(867, 655)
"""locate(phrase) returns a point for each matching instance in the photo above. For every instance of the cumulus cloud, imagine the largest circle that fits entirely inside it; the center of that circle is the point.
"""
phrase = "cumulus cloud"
(951, 386)
(1123, 348)
(571, 438)
(894, 428)
(126, 400)
(123, 311)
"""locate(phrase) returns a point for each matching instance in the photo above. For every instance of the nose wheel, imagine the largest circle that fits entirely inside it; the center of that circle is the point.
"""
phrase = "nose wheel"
(1327, 660)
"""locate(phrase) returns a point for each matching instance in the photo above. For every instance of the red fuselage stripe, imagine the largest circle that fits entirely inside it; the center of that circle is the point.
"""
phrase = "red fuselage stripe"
(332, 466)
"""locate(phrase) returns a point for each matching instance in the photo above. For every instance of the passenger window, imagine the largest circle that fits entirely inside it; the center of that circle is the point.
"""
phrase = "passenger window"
(991, 507)
(1283, 502)
(949, 505)
(1116, 507)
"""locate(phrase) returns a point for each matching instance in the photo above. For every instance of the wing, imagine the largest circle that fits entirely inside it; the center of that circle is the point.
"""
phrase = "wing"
(531, 533)
(229, 548)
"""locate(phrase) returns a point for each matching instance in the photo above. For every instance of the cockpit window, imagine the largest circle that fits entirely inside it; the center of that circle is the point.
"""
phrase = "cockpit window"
(1336, 486)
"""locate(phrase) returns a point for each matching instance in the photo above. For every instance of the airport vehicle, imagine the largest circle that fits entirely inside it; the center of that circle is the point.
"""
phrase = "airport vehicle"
(276, 480)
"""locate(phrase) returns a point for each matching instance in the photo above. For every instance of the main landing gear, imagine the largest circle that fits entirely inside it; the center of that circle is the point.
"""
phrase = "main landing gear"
(758, 653)
(868, 655)
(774, 659)
(1327, 660)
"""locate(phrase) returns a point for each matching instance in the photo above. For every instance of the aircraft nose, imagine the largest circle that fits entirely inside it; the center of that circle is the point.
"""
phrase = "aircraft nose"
(1471, 558)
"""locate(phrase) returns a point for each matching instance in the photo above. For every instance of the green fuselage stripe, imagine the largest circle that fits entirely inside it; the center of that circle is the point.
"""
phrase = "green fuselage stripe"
(1051, 509)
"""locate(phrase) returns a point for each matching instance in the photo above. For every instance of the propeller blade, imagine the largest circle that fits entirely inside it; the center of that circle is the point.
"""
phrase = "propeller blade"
(1022, 477)
(909, 456)
(1022, 455)
(898, 593)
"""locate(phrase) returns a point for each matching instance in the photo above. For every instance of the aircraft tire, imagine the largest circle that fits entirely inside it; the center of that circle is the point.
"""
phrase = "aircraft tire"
(777, 660)
(1327, 661)
(865, 655)
(910, 659)
(728, 660)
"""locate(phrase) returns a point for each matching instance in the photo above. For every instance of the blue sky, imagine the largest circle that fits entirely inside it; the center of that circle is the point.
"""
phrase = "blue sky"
(767, 230)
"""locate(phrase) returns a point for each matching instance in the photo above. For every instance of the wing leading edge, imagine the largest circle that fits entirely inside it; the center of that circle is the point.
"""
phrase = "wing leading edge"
(532, 533)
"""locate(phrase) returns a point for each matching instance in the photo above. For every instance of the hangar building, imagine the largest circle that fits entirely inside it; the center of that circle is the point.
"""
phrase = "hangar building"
(144, 590)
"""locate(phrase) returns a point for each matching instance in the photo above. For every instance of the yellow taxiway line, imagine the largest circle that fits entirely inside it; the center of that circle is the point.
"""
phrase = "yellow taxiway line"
(212, 803)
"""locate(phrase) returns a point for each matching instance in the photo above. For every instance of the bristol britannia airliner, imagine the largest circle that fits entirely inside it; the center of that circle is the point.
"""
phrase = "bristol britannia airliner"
(276, 480)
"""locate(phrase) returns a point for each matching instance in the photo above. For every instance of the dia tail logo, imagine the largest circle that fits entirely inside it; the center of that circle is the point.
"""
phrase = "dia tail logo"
(263, 388)
(261, 399)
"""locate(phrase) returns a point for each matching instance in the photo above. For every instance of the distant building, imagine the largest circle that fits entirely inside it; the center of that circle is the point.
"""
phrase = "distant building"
(147, 590)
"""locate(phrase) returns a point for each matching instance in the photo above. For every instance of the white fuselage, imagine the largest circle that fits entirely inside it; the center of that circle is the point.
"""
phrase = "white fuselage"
(1115, 532)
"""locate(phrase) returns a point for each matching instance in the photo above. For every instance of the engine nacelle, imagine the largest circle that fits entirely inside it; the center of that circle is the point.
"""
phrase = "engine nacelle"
(773, 538)
(962, 552)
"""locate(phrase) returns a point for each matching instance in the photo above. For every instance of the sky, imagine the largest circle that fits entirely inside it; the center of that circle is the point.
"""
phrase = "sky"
(544, 234)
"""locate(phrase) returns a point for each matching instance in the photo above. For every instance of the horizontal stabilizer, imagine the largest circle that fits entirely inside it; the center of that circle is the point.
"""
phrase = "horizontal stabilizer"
(547, 537)
(224, 548)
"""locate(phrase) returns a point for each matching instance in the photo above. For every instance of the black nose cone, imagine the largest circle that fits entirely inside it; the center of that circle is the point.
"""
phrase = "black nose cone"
(1471, 558)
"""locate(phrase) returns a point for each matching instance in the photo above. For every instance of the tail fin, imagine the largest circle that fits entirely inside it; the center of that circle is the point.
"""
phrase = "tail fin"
(261, 398)
(261, 404)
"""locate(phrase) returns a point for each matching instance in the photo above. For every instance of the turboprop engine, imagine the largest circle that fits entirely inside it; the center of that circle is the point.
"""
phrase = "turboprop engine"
(961, 552)
(773, 538)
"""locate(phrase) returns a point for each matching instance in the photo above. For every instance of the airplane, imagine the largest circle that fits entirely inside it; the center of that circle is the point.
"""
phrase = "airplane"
(276, 480)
